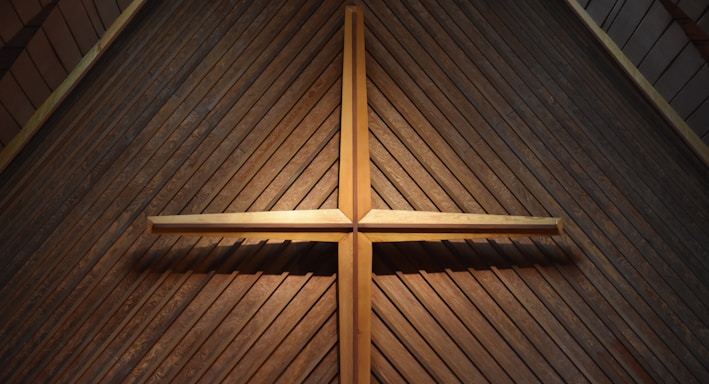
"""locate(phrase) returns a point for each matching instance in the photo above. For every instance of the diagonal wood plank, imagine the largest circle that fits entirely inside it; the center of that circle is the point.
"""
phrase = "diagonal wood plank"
(354, 225)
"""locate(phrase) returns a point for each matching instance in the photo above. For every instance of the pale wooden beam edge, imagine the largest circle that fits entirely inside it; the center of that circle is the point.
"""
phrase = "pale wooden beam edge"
(328, 225)
(42, 114)
(355, 201)
(457, 225)
(671, 116)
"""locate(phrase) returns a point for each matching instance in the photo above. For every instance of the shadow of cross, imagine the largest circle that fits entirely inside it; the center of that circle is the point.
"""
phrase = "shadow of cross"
(354, 225)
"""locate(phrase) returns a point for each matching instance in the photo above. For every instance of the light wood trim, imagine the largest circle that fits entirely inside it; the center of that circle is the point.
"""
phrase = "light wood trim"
(345, 308)
(42, 114)
(346, 182)
(354, 189)
(355, 251)
(671, 116)
(327, 225)
(386, 225)
(363, 315)
(354, 226)
(363, 182)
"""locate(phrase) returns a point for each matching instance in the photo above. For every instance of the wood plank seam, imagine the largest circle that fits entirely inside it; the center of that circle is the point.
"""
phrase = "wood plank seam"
(671, 116)
(355, 225)
(42, 114)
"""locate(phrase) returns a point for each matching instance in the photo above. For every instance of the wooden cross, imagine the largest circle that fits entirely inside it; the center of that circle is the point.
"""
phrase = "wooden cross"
(354, 225)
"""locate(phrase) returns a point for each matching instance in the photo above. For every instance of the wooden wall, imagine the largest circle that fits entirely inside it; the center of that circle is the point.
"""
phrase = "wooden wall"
(41, 42)
(658, 45)
(222, 106)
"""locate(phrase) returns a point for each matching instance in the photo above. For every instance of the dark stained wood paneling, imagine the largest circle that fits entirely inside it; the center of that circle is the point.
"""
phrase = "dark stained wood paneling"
(611, 368)
(693, 94)
(660, 47)
(59, 34)
(55, 36)
(93, 15)
(665, 49)
(688, 16)
(210, 106)
(627, 20)
(19, 20)
(214, 79)
(46, 60)
(648, 31)
(600, 10)
(29, 79)
(79, 24)
(700, 118)
(677, 76)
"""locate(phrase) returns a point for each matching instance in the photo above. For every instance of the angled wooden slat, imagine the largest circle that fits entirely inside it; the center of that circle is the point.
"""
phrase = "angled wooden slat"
(290, 355)
(70, 278)
(14, 100)
(686, 132)
(354, 203)
(68, 53)
(655, 295)
(416, 359)
(10, 23)
(101, 266)
(84, 278)
(242, 357)
(108, 11)
(46, 60)
(27, 10)
(79, 24)
(227, 267)
(326, 370)
(8, 126)
(29, 79)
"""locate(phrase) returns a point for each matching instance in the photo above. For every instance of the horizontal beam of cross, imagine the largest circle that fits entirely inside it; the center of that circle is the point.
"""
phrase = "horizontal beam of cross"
(379, 225)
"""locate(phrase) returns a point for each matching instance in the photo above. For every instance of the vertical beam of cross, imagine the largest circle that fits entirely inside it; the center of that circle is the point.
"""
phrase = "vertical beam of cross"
(354, 200)
(354, 225)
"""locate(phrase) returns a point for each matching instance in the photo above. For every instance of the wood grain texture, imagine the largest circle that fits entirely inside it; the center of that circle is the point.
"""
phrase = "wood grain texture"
(355, 191)
(207, 106)
(354, 214)
(310, 225)
(666, 70)
(66, 46)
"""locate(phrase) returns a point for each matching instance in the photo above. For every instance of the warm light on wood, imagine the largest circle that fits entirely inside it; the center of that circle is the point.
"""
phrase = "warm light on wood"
(354, 193)
(663, 106)
(390, 226)
(327, 225)
(354, 225)
(355, 201)
(345, 308)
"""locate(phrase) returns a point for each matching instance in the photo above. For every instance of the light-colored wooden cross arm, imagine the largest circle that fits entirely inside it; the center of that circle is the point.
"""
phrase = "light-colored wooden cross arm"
(328, 225)
(389, 226)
